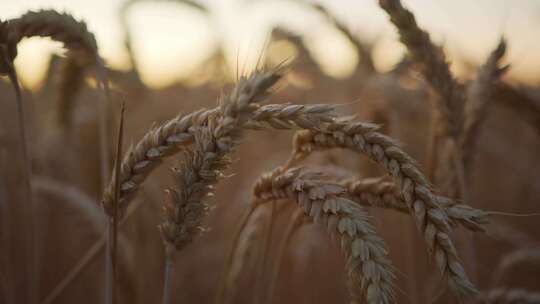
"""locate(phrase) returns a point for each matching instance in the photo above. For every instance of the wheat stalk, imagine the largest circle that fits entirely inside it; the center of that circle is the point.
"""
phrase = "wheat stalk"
(431, 219)
(369, 269)
(508, 296)
(71, 81)
(294, 223)
(364, 51)
(245, 247)
(304, 58)
(44, 23)
(265, 250)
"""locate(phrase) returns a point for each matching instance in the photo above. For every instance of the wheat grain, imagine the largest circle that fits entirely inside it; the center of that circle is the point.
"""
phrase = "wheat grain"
(369, 269)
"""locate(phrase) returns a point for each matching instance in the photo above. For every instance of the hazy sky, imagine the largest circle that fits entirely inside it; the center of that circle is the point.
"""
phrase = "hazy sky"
(170, 39)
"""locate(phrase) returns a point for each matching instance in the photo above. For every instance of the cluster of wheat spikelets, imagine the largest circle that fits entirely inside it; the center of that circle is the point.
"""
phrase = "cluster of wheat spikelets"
(206, 141)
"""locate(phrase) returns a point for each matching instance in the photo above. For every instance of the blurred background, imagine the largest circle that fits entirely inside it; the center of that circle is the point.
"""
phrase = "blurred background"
(171, 40)
(168, 57)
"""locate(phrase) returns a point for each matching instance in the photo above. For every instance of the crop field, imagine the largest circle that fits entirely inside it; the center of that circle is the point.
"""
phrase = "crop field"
(263, 174)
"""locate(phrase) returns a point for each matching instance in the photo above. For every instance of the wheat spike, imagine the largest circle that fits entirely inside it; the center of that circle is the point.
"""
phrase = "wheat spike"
(177, 134)
(432, 62)
(370, 271)
(479, 94)
(423, 204)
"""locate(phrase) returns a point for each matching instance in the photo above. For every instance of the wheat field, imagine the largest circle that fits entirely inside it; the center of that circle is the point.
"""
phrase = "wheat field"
(271, 183)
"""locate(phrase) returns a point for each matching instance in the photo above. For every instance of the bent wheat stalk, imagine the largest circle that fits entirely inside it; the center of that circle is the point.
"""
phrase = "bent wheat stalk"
(247, 254)
(369, 269)
(363, 50)
(294, 223)
(77, 39)
(508, 296)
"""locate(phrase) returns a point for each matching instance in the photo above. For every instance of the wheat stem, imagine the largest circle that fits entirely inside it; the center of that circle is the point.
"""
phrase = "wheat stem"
(112, 236)
(259, 288)
(167, 275)
(293, 224)
(30, 236)
(220, 297)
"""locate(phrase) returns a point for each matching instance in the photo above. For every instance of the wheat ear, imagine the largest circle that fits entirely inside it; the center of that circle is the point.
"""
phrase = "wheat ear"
(184, 210)
(450, 104)
(216, 137)
(177, 134)
(433, 65)
(431, 219)
(380, 193)
(81, 45)
(479, 94)
(370, 270)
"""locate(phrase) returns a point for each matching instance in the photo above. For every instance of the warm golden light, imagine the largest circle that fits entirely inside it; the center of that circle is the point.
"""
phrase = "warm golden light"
(171, 40)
